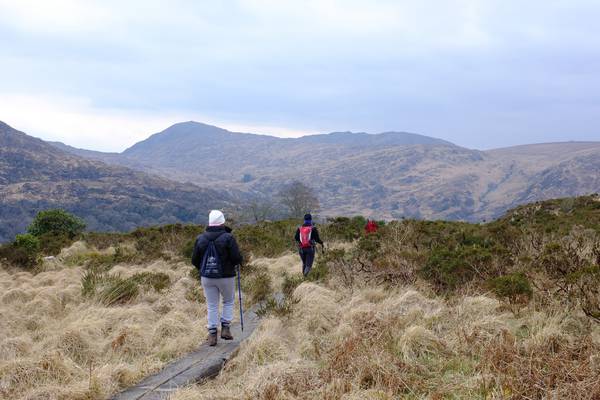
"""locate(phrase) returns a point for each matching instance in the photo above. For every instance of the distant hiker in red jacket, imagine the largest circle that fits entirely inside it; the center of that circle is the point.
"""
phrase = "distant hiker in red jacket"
(371, 227)
(306, 237)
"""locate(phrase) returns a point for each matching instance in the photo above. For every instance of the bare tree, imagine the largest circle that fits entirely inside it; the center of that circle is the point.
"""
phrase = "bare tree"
(261, 210)
(299, 199)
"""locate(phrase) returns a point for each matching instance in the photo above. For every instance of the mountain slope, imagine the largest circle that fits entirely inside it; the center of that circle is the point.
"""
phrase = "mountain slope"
(35, 175)
(388, 175)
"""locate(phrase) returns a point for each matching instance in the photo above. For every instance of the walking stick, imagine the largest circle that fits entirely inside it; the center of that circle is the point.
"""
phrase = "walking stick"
(240, 296)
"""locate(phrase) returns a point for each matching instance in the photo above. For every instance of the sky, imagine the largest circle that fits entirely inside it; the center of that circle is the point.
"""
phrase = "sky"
(483, 74)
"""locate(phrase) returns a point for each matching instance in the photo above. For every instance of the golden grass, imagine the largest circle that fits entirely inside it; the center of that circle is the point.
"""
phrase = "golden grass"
(55, 344)
(389, 344)
(367, 343)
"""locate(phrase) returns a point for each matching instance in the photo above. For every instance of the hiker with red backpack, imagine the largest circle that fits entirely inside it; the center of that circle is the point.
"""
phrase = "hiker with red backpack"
(307, 236)
(371, 227)
(216, 255)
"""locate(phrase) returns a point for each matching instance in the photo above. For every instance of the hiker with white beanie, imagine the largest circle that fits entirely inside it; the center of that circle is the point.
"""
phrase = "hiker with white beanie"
(216, 255)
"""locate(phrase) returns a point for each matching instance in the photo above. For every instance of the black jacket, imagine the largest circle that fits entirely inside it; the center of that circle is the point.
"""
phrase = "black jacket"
(314, 236)
(226, 246)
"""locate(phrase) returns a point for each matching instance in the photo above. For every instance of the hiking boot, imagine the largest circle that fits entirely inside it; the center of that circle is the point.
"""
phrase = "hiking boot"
(226, 332)
(212, 338)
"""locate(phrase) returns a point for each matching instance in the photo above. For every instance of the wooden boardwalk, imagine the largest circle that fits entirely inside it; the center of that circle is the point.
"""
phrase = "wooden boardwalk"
(204, 363)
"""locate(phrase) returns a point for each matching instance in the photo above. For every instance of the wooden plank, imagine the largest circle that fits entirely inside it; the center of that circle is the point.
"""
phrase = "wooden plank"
(201, 364)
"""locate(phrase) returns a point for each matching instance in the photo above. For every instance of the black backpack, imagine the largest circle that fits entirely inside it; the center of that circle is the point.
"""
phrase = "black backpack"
(211, 266)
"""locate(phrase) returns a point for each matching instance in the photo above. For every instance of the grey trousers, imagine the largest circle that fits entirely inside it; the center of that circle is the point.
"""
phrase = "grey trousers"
(214, 289)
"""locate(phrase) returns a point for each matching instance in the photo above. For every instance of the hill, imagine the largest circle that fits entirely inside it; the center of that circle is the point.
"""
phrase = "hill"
(421, 309)
(387, 175)
(35, 175)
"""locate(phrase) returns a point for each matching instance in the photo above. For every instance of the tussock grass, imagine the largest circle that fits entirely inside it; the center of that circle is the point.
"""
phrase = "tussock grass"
(58, 341)
(389, 343)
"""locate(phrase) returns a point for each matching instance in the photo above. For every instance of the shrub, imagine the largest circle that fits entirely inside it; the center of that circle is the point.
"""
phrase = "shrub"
(277, 307)
(344, 228)
(514, 289)
(266, 239)
(188, 249)
(56, 222)
(258, 286)
(52, 244)
(449, 268)
(290, 283)
(25, 250)
(587, 292)
(319, 271)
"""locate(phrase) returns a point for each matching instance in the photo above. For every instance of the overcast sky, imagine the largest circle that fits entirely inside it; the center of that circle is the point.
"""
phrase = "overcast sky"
(482, 74)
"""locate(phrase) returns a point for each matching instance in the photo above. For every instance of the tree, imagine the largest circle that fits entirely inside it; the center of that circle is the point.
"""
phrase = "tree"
(261, 210)
(56, 222)
(299, 199)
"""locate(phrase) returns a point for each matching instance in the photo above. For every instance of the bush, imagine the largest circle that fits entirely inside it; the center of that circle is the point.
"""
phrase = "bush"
(514, 289)
(319, 271)
(280, 308)
(290, 283)
(448, 268)
(24, 251)
(344, 228)
(188, 249)
(258, 286)
(587, 290)
(266, 239)
(52, 244)
(56, 222)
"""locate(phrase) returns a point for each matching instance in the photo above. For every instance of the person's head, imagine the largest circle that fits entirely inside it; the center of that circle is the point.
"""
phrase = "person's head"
(307, 219)
(216, 218)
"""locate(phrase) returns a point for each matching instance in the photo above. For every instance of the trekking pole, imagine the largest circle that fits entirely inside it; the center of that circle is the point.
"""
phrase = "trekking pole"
(240, 296)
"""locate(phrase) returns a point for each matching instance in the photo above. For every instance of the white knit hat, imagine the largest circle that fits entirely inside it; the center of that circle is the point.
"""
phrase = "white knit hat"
(216, 218)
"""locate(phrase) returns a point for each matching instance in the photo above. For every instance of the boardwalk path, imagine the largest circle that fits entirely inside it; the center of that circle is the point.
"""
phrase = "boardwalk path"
(206, 362)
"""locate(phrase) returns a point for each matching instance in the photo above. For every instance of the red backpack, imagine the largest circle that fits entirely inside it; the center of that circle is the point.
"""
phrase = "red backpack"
(305, 237)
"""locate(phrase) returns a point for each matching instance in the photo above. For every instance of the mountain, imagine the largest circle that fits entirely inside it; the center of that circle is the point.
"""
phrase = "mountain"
(387, 175)
(35, 175)
(211, 155)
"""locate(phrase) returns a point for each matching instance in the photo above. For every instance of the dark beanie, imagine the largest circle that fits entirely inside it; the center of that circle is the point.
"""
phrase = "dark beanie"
(307, 217)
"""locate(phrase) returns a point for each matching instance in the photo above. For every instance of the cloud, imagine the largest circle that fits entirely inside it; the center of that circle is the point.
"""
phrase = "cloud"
(461, 70)
(77, 122)
(56, 16)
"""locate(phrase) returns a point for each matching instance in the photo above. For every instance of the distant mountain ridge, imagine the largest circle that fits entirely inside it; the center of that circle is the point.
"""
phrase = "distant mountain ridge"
(388, 175)
(35, 175)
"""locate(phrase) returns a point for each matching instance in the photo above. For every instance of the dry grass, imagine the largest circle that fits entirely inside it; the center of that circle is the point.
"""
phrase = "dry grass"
(336, 343)
(55, 344)
(381, 344)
